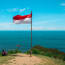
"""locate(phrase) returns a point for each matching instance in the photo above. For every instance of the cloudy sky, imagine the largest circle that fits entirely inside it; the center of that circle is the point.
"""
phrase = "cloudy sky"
(46, 14)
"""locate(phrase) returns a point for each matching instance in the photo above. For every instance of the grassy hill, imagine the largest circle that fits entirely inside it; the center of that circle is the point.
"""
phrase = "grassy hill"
(40, 56)
(48, 52)
(25, 59)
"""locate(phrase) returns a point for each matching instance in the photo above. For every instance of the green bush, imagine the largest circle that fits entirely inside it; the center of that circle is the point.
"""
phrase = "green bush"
(48, 52)
(35, 51)
(0, 54)
(42, 53)
(28, 52)
(64, 58)
(11, 52)
(14, 51)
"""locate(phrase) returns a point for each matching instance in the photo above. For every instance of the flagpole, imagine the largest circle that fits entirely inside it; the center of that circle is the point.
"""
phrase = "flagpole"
(31, 37)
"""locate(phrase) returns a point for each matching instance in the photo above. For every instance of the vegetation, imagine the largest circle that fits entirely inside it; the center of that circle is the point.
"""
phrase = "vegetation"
(13, 51)
(48, 52)
(9, 52)
(50, 56)
(4, 59)
(50, 60)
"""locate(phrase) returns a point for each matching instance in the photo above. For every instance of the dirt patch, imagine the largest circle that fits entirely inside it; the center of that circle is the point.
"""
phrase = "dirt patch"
(24, 59)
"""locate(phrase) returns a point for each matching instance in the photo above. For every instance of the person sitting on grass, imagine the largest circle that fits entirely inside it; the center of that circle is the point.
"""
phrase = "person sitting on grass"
(4, 53)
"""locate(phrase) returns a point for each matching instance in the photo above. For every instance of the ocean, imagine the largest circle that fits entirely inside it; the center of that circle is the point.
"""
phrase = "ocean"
(49, 39)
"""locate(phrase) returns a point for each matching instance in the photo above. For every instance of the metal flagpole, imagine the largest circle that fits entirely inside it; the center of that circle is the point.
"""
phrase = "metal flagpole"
(31, 36)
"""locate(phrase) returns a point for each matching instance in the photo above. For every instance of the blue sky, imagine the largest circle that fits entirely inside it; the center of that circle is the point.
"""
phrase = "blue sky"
(47, 14)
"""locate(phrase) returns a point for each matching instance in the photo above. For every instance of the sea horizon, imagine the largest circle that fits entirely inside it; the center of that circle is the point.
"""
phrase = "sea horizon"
(32, 30)
(47, 39)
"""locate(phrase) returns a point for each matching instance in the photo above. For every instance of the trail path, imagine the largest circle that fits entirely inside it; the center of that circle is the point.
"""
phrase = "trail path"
(24, 59)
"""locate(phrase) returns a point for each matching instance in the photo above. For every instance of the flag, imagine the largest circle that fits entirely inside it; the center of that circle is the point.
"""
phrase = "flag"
(26, 19)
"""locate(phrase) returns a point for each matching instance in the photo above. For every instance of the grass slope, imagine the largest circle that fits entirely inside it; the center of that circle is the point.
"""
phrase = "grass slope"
(45, 60)
(50, 60)
(5, 59)
(47, 55)
(48, 52)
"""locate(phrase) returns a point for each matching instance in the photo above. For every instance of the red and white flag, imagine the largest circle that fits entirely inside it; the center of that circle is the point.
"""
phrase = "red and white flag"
(26, 19)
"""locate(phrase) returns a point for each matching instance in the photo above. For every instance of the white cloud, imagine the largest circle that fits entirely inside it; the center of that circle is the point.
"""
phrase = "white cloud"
(63, 4)
(37, 28)
(52, 28)
(17, 9)
(12, 26)
(21, 10)
(12, 10)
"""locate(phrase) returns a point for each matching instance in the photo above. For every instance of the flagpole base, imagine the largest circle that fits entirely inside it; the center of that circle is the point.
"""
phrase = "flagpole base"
(30, 53)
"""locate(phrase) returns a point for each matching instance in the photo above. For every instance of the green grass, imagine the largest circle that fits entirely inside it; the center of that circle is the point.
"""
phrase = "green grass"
(50, 56)
(48, 52)
(53, 56)
(4, 59)
(50, 60)
(13, 51)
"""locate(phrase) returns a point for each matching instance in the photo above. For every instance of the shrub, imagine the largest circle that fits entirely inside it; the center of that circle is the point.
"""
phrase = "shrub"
(48, 52)
(35, 51)
(14, 51)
